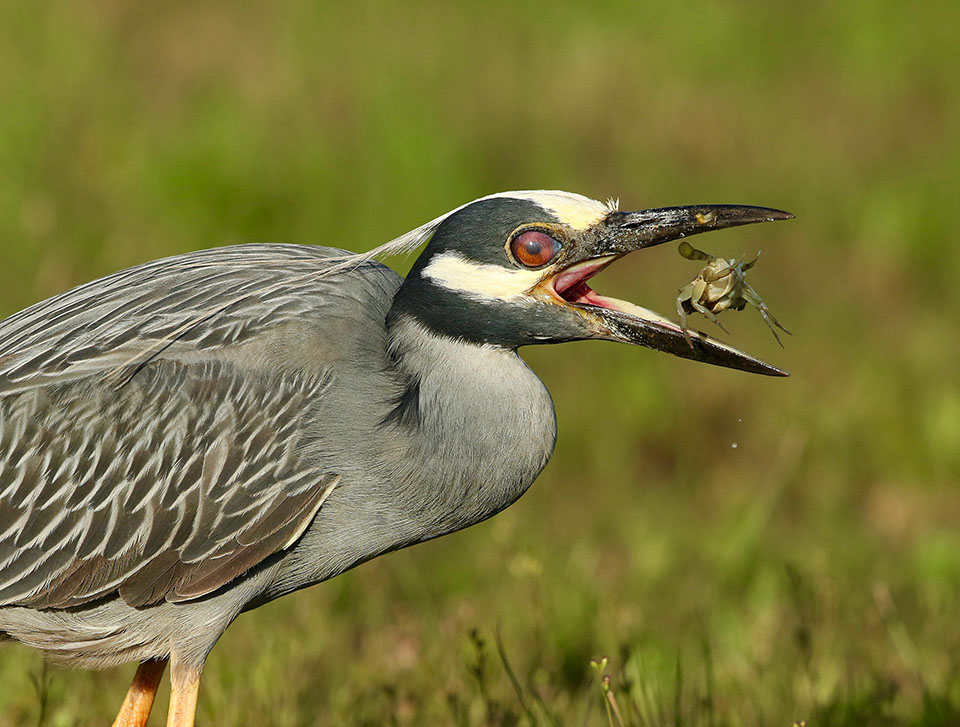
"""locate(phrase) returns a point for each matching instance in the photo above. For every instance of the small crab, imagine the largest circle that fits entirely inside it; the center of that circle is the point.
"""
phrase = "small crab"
(721, 284)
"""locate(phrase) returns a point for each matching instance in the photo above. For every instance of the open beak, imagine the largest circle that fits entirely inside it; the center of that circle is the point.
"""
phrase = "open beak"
(619, 320)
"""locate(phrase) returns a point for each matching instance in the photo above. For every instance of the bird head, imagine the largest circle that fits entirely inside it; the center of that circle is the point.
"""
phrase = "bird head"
(512, 269)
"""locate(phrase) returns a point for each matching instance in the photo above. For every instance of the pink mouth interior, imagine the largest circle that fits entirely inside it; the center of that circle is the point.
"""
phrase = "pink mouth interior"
(571, 285)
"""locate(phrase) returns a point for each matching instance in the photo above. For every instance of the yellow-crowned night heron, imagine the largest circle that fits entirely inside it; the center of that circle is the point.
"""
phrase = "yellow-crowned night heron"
(196, 436)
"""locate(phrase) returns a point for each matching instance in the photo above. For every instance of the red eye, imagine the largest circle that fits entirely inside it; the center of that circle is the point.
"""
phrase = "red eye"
(534, 249)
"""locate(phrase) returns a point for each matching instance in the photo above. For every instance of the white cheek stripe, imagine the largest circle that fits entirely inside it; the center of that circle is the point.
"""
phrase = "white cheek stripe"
(480, 280)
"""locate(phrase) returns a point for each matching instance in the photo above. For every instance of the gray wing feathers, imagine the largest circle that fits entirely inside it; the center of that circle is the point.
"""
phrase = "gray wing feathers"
(198, 476)
(196, 302)
(171, 482)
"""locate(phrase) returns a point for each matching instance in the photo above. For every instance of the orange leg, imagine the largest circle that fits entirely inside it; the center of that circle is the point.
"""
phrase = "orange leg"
(184, 688)
(136, 707)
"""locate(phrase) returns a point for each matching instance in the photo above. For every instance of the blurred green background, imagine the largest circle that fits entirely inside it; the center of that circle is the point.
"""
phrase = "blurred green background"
(745, 550)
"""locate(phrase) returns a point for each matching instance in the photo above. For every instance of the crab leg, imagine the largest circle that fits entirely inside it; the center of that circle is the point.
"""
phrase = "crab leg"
(751, 295)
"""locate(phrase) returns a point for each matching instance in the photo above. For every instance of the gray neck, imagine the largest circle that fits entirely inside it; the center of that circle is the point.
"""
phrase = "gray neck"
(464, 432)
(483, 428)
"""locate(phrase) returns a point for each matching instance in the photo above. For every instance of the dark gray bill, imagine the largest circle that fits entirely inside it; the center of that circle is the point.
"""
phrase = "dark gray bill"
(628, 231)
(645, 328)
(619, 320)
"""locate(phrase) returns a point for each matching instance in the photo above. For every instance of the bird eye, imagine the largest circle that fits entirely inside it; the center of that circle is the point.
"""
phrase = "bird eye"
(534, 249)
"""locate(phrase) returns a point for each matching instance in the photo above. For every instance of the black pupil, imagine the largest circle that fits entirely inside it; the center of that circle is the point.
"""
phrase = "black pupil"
(534, 247)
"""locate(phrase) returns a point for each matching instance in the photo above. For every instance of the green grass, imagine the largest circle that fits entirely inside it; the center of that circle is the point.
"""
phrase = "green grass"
(810, 572)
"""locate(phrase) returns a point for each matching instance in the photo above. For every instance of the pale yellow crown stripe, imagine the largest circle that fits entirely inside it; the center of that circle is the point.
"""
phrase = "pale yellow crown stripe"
(574, 210)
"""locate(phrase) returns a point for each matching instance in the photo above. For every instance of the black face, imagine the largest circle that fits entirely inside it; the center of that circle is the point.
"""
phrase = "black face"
(511, 271)
(479, 236)
(479, 230)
